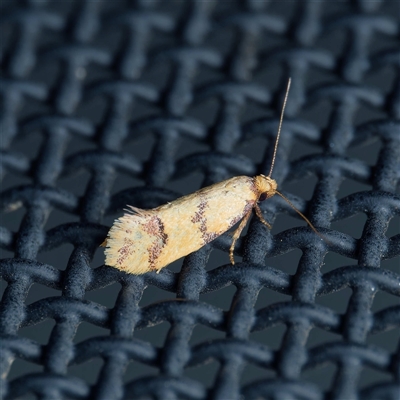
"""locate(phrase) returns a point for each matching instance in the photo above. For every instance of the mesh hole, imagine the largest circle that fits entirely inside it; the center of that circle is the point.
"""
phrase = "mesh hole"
(39, 333)
(88, 371)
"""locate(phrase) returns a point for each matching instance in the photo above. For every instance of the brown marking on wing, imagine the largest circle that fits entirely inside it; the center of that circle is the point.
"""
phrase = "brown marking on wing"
(155, 227)
(199, 215)
(253, 187)
(199, 218)
(209, 237)
(125, 251)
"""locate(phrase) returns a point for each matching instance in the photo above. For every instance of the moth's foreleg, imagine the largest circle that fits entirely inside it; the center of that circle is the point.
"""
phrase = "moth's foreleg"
(236, 235)
(259, 215)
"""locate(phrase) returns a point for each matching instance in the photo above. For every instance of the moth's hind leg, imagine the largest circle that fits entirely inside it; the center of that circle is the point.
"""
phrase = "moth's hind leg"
(236, 235)
(259, 215)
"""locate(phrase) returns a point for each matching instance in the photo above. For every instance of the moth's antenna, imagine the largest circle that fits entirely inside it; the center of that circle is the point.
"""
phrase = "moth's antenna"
(304, 217)
(280, 127)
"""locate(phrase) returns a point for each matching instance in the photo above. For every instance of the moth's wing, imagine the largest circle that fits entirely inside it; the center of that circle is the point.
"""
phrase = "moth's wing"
(130, 210)
(147, 240)
(195, 220)
(132, 241)
(136, 211)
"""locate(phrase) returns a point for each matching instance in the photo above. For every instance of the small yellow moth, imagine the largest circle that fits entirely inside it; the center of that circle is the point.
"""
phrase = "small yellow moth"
(148, 240)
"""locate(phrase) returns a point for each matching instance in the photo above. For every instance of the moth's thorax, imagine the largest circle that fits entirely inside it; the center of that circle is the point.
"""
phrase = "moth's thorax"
(265, 186)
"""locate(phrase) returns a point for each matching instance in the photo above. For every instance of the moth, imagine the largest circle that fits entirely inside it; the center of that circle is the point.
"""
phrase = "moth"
(148, 240)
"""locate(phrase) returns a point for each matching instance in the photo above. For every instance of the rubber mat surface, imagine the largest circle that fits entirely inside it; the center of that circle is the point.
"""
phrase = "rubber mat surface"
(105, 104)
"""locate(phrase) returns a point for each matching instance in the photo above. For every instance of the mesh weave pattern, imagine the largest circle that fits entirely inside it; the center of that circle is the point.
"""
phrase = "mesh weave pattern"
(112, 103)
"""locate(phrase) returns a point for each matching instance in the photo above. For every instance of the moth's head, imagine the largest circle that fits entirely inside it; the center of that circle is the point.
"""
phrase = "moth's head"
(265, 186)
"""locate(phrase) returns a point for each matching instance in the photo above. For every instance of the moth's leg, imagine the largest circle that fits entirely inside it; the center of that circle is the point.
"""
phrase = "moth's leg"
(236, 235)
(259, 215)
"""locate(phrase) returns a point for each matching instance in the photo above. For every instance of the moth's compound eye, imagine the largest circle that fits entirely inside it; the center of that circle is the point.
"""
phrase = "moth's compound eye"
(263, 196)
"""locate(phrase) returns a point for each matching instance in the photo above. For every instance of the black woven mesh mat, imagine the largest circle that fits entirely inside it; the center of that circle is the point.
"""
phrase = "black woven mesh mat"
(105, 104)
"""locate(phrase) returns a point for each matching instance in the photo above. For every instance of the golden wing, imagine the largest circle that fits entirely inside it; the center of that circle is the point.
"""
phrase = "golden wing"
(148, 240)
